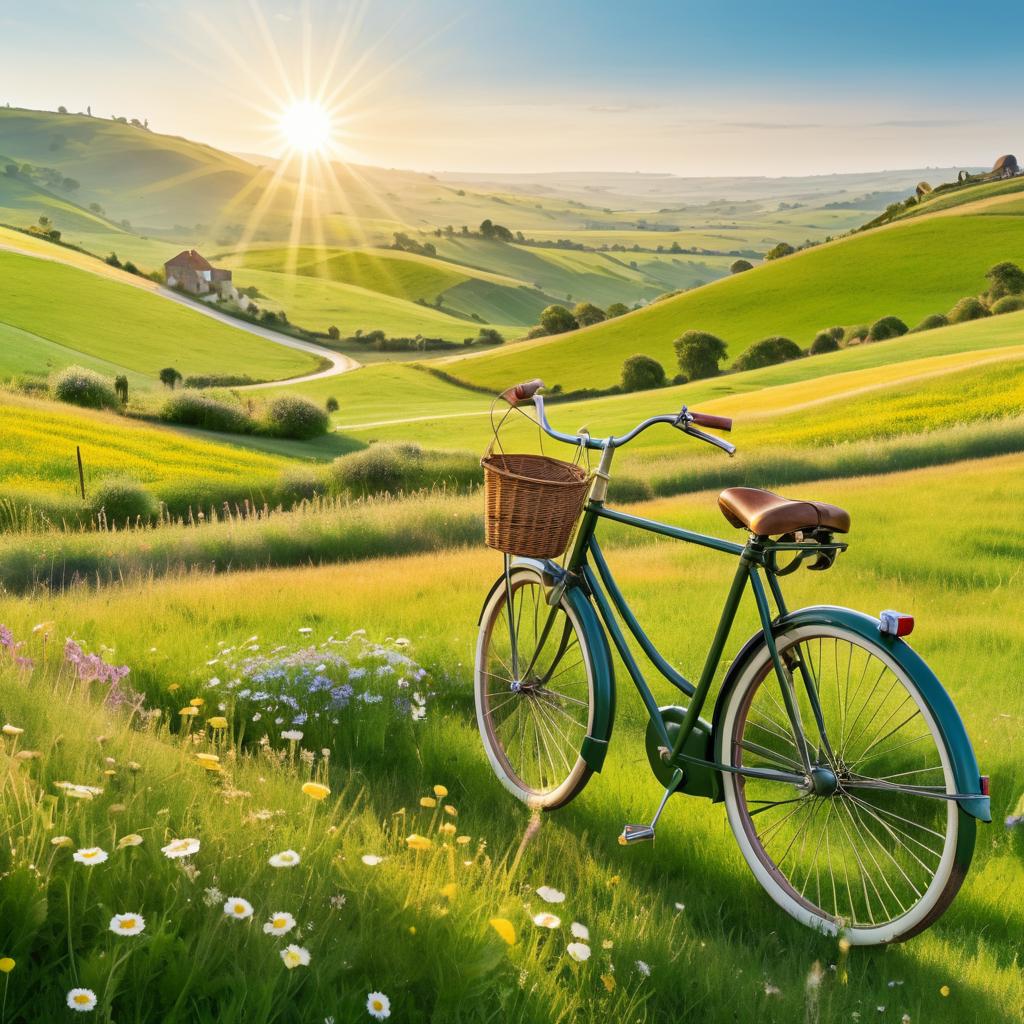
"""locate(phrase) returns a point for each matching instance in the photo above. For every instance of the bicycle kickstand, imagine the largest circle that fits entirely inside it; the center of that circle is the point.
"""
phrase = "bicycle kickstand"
(644, 833)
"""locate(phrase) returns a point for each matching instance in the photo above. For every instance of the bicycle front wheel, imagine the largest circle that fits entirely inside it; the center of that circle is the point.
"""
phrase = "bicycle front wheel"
(534, 700)
(867, 845)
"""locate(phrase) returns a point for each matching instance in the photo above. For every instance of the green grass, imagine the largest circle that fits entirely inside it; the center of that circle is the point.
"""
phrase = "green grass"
(128, 326)
(910, 270)
(728, 938)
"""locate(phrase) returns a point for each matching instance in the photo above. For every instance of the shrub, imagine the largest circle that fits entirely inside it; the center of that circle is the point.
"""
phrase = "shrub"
(823, 342)
(32, 386)
(191, 409)
(295, 417)
(642, 372)
(699, 354)
(857, 333)
(586, 314)
(169, 377)
(331, 405)
(557, 320)
(768, 352)
(394, 468)
(739, 266)
(836, 332)
(930, 323)
(616, 309)
(1005, 279)
(301, 483)
(119, 498)
(887, 327)
(490, 336)
(968, 308)
(780, 250)
(1008, 304)
(219, 380)
(79, 386)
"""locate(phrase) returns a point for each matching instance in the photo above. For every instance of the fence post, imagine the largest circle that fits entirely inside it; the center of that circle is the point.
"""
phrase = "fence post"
(81, 474)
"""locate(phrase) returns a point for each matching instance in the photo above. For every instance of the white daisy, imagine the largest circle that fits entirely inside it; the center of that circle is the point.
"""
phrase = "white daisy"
(180, 848)
(292, 734)
(580, 931)
(549, 895)
(280, 923)
(235, 906)
(284, 859)
(295, 956)
(546, 920)
(579, 951)
(378, 1006)
(371, 859)
(127, 924)
(90, 855)
(82, 999)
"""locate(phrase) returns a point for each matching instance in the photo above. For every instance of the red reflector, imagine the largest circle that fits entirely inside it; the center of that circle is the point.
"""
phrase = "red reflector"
(895, 623)
(984, 785)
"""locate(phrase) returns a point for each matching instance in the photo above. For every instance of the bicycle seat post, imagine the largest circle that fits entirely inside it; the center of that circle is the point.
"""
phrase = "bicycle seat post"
(644, 833)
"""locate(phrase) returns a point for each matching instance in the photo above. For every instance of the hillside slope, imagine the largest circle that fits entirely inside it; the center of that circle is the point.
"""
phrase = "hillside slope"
(908, 269)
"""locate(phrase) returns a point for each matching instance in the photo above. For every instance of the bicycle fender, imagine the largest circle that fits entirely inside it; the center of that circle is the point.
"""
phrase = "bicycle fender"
(966, 773)
(595, 744)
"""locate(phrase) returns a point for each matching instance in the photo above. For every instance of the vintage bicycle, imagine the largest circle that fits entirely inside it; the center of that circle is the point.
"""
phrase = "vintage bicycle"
(848, 778)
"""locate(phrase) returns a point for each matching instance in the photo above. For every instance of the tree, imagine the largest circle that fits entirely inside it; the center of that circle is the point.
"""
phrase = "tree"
(616, 309)
(738, 266)
(112, 260)
(780, 250)
(331, 405)
(823, 342)
(121, 387)
(587, 314)
(968, 308)
(699, 354)
(170, 377)
(1004, 279)
(44, 221)
(768, 352)
(487, 228)
(490, 336)
(62, 110)
(887, 327)
(557, 320)
(333, 333)
(639, 373)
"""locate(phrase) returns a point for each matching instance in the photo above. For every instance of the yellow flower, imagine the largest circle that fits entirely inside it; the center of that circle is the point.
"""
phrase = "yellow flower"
(189, 712)
(844, 945)
(609, 982)
(449, 890)
(505, 928)
(447, 827)
(944, 991)
(197, 702)
(441, 791)
(11, 730)
(417, 842)
(449, 809)
(316, 790)
(6, 965)
(462, 840)
(109, 772)
(427, 801)
(208, 757)
(132, 839)
(613, 881)
(173, 687)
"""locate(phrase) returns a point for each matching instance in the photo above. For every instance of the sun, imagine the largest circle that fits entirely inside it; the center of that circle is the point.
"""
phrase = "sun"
(306, 126)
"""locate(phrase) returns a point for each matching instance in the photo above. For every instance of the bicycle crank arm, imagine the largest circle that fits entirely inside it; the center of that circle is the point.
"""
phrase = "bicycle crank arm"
(645, 833)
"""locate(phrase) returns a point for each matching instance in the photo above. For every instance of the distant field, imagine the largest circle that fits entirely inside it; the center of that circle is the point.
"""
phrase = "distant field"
(126, 326)
(910, 270)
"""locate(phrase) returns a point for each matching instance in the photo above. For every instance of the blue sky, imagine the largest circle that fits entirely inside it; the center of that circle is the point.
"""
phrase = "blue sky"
(526, 85)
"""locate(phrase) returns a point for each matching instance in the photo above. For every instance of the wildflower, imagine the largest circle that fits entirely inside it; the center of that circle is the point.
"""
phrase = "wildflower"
(448, 891)
(197, 702)
(294, 735)
(643, 968)
(427, 801)
(90, 855)
(284, 859)
(316, 790)
(174, 687)
(449, 809)
(11, 730)
(62, 841)
(82, 999)
(127, 924)
(295, 956)
(212, 896)
(680, 907)
(614, 881)
(546, 920)
(217, 722)
(607, 944)
(211, 762)
(339, 900)
(189, 712)
(305, 630)
(580, 931)
(371, 859)
(772, 990)
(417, 842)
(463, 840)
(378, 1006)
(237, 908)
(504, 928)
(280, 923)
(579, 951)
(447, 828)
(549, 895)
(440, 791)
(180, 848)
(944, 991)
(609, 982)
(6, 965)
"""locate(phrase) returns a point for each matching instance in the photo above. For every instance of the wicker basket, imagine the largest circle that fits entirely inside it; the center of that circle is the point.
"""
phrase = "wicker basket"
(533, 503)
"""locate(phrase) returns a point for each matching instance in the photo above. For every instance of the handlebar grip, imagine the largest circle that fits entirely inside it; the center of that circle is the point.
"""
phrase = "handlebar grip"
(703, 419)
(521, 392)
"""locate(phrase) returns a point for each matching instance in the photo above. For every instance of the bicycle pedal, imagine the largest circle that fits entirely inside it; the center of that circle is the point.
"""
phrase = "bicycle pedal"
(636, 834)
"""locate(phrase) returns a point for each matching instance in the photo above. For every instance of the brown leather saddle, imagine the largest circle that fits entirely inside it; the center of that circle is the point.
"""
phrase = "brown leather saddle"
(769, 515)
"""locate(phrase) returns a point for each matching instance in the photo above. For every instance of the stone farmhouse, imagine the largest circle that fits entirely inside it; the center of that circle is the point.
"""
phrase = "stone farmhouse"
(193, 273)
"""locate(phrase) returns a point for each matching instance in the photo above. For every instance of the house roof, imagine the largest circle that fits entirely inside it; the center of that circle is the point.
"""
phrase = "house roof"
(1005, 161)
(189, 258)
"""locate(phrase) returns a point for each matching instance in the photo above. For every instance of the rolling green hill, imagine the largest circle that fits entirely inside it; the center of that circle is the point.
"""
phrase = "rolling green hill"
(909, 269)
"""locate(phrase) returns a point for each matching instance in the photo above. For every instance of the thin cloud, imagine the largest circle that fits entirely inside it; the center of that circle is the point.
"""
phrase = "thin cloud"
(770, 126)
(921, 123)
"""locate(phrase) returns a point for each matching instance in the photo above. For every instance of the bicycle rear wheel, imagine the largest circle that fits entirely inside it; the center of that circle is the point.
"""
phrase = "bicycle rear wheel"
(882, 854)
(535, 708)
